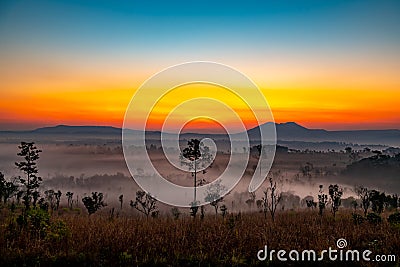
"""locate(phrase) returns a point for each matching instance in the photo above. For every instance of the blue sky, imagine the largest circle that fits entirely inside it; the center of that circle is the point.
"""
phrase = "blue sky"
(199, 27)
(323, 46)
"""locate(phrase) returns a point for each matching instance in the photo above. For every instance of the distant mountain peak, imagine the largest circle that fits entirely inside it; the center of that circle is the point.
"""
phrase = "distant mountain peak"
(68, 129)
(291, 124)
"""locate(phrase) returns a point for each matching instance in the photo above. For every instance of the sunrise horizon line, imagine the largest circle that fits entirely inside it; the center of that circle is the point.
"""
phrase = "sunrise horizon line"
(28, 129)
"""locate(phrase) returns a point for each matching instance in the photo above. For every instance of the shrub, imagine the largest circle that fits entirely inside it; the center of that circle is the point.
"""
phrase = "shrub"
(94, 203)
(394, 218)
(145, 203)
(357, 218)
(36, 221)
(374, 218)
(175, 212)
(125, 258)
(58, 231)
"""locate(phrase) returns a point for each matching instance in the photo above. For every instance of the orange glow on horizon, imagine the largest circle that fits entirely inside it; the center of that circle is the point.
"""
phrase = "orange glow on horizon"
(205, 125)
(331, 109)
(318, 101)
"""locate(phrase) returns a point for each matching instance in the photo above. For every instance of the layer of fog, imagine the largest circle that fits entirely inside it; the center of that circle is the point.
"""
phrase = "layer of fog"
(83, 169)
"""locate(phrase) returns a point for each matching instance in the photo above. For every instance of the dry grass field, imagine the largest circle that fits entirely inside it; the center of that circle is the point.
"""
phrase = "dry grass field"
(71, 238)
(116, 236)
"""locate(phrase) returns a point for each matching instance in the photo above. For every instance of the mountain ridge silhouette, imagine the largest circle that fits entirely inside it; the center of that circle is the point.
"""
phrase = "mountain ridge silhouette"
(288, 131)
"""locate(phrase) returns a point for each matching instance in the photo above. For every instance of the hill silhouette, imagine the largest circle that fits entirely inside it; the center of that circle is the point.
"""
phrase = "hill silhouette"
(289, 131)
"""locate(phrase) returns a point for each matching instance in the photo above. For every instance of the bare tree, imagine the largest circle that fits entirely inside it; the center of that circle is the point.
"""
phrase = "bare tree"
(322, 200)
(214, 195)
(69, 199)
(365, 196)
(50, 197)
(378, 201)
(202, 208)
(175, 212)
(224, 210)
(57, 195)
(335, 193)
(194, 208)
(272, 197)
(144, 203)
(259, 204)
(251, 200)
(215, 204)
(257, 153)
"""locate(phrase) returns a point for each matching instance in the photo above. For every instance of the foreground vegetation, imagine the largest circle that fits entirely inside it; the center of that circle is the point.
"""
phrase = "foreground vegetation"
(37, 230)
(70, 238)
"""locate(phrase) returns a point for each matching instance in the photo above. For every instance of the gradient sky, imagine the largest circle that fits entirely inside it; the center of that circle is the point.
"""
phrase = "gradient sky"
(323, 64)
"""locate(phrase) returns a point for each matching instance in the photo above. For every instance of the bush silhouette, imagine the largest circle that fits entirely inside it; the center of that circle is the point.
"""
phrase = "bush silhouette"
(394, 218)
(93, 203)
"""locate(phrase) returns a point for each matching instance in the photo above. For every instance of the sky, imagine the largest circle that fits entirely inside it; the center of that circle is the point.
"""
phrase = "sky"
(322, 64)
